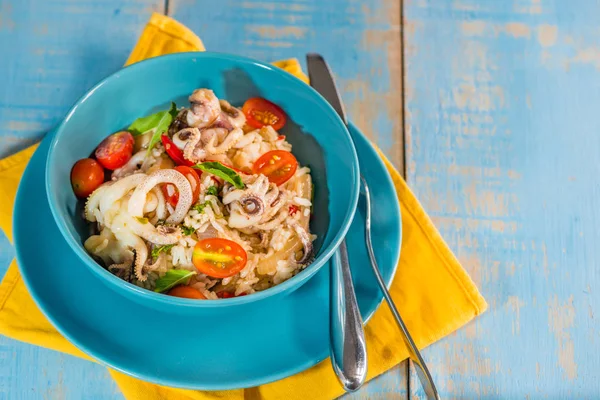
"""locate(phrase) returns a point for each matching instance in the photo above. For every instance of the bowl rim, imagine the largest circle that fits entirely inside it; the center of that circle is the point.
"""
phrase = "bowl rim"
(150, 296)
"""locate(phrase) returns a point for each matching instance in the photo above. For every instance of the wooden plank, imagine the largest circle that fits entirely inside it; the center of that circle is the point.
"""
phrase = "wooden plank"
(503, 142)
(52, 51)
(55, 50)
(360, 40)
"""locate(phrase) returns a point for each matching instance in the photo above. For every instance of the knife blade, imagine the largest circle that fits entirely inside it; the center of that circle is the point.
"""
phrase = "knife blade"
(346, 333)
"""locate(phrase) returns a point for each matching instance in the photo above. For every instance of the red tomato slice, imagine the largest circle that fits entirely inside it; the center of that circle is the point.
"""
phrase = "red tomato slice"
(219, 258)
(260, 112)
(86, 176)
(172, 194)
(174, 152)
(277, 165)
(115, 150)
(186, 292)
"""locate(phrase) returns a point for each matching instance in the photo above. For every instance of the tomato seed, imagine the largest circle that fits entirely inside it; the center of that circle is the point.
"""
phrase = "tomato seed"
(228, 248)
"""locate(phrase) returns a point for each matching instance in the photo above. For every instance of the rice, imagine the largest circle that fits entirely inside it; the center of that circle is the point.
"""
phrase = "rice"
(302, 202)
(269, 261)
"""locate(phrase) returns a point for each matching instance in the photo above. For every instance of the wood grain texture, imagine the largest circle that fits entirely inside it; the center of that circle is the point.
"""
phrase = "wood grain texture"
(502, 149)
(359, 39)
(361, 42)
(51, 53)
(54, 50)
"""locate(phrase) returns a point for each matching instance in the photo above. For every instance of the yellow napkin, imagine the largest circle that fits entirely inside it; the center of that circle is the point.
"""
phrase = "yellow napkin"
(433, 292)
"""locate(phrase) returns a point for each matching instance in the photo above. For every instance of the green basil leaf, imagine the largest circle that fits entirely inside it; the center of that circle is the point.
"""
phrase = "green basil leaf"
(144, 124)
(213, 190)
(187, 230)
(201, 206)
(162, 126)
(172, 278)
(160, 249)
(218, 169)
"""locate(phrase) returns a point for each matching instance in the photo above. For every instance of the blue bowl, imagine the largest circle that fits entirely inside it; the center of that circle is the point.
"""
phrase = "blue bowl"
(320, 140)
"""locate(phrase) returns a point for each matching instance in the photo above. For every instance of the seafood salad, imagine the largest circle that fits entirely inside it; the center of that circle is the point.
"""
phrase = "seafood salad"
(202, 202)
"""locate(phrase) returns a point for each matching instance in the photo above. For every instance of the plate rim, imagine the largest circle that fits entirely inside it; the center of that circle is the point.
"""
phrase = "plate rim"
(230, 385)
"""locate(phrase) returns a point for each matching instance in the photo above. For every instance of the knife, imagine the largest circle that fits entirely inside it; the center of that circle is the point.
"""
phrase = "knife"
(322, 81)
(346, 334)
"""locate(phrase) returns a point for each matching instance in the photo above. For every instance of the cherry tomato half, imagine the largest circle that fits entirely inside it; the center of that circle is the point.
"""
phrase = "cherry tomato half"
(172, 194)
(174, 152)
(219, 258)
(115, 150)
(277, 165)
(86, 176)
(260, 112)
(186, 292)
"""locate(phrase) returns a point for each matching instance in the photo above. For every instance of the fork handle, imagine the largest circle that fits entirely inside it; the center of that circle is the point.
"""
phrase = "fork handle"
(348, 348)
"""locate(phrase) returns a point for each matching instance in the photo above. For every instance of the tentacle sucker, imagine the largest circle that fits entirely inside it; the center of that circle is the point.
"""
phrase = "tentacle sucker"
(123, 269)
(138, 198)
(93, 202)
(230, 140)
(121, 230)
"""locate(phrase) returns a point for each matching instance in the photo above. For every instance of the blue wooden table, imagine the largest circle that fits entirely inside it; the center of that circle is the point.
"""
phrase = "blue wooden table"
(489, 105)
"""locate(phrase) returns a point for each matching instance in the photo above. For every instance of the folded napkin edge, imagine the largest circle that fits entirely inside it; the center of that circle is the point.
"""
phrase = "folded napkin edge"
(18, 158)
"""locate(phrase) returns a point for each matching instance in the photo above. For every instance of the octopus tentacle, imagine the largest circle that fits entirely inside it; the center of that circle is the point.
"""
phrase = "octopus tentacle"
(229, 141)
(204, 108)
(123, 269)
(159, 266)
(306, 242)
(160, 235)
(127, 238)
(235, 115)
(119, 189)
(193, 150)
(273, 223)
(178, 123)
(161, 208)
(141, 255)
(131, 166)
(138, 198)
(93, 202)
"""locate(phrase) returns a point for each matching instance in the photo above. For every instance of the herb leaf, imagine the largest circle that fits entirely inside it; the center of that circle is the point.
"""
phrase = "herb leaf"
(218, 169)
(162, 126)
(213, 191)
(157, 250)
(187, 230)
(172, 278)
(144, 124)
(201, 206)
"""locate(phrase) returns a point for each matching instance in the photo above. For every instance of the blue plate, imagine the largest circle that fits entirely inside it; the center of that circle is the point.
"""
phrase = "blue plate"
(213, 349)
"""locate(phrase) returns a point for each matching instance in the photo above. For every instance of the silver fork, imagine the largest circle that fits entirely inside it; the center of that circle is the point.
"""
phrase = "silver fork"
(415, 355)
